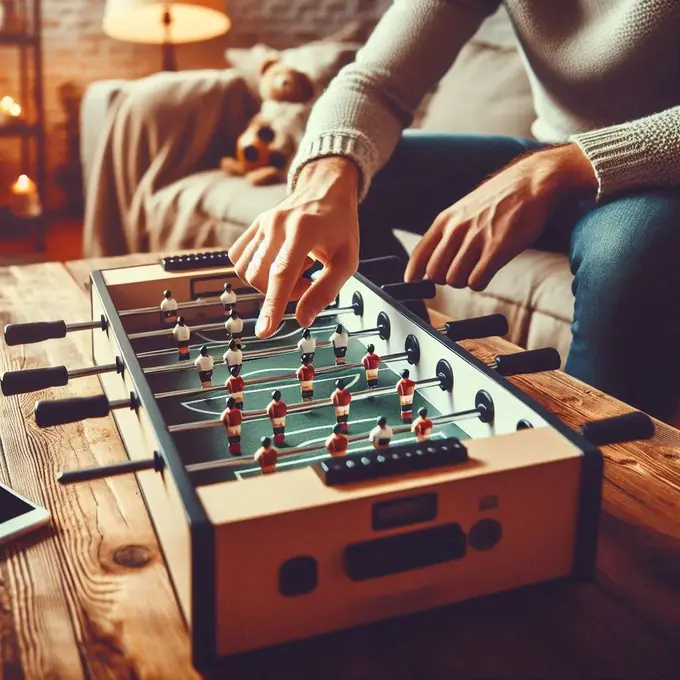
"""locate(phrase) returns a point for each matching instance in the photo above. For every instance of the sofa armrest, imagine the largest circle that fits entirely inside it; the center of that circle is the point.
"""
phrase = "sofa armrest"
(94, 107)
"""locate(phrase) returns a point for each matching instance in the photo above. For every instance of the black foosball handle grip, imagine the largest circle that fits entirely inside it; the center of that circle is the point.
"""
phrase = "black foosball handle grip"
(27, 333)
(625, 428)
(479, 327)
(531, 361)
(33, 380)
(61, 411)
(411, 290)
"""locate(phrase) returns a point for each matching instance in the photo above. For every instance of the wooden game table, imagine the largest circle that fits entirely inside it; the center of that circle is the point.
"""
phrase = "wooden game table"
(90, 596)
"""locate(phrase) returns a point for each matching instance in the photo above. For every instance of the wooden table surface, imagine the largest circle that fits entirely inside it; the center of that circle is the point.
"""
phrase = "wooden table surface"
(90, 596)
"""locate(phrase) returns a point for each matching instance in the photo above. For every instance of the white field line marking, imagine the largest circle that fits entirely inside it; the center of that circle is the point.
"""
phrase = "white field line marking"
(322, 427)
(287, 463)
(275, 335)
(188, 405)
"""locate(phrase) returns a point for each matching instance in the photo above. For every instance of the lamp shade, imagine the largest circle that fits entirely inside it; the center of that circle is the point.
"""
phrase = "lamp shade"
(141, 21)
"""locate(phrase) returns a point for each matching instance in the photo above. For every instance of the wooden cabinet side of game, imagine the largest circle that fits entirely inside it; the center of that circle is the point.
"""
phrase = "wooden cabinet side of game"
(159, 490)
(534, 503)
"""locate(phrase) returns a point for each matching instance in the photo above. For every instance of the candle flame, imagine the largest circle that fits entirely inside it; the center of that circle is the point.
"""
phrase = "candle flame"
(15, 110)
(6, 103)
(23, 183)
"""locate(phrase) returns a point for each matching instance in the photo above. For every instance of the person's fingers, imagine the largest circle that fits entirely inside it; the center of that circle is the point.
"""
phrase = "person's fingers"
(285, 272)
(241, 265)
(299, 289)
(257, 272)
(242, 241)
(326, 287)
(465, 260)
(417, 263)
(444, 253)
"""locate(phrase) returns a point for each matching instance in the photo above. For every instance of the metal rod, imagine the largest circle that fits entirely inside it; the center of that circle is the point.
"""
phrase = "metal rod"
(288, 376)
(83, 325)
(294, 408)
(91, 370)
(217, 326)
(120, 403)
(196, 304)
(401, 429)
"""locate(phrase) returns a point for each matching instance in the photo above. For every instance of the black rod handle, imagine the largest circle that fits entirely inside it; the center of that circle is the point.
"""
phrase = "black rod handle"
(531, 361)
(27, 333)
(49, 413)
(478, 327)
(101, 471)
(33, 380)
(411, 290)
(625, 428)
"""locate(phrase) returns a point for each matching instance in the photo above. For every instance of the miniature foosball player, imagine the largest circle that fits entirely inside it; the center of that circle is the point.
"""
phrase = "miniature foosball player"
(307, 344)
(405, 389)
(228, 299)
(381, 435)
(371, 363)
(266, 456)
(340, 339)
(337, 443)
(341, 399)
(182, 334)
(168, 308)
(276, 410)
(305, 374)
(233, 358)
(232, 417)
(236, 386)
(234, 326)
(422, 426)
(205, 363)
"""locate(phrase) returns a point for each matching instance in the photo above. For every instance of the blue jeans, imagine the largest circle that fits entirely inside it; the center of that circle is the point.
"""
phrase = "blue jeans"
(624, 254)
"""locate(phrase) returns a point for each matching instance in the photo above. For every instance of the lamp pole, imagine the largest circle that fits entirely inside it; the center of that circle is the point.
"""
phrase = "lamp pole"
(169, 62)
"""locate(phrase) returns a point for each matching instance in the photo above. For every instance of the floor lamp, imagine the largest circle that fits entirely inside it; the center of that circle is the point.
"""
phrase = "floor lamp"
(165, 23)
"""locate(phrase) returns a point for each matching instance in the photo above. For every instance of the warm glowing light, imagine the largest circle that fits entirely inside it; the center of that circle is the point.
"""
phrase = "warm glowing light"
(26, 201)
(15, 110)
(6, 103)
(23, 185)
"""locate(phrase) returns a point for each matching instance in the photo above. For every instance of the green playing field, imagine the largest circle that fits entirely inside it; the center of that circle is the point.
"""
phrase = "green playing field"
(304, 428)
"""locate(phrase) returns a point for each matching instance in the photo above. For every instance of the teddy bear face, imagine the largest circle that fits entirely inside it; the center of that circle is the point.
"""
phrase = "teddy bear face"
(283, 83)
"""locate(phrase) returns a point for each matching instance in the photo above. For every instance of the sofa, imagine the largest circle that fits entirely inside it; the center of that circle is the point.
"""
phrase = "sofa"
(486, 91)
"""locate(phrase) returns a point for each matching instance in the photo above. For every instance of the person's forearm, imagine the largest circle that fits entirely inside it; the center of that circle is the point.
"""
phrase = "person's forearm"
(366, 107)
(331, 173)
(643, 153)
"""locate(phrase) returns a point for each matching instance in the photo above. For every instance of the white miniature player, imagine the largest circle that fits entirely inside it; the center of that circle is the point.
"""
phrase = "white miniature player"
(340, 340)
(168, 307)
(234, 326)
(233, 358)
(228, 298)
(204, 363)
(307, 344)
(381, 435)
(182, 334)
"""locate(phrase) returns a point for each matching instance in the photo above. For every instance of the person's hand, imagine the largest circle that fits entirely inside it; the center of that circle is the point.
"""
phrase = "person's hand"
(470, 241)
(317, 221)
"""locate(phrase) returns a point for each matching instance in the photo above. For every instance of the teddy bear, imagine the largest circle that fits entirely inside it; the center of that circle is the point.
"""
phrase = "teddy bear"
(266, 148)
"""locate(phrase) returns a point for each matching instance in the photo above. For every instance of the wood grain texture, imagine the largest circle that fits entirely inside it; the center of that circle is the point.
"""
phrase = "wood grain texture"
(90, 596)
(76, 610)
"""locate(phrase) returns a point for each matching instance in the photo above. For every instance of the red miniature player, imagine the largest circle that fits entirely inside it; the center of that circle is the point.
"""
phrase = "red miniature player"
(337, 442)
(371, 362)
(422, 427)
(405, 389)
(341, 400)
(266, 456)
(305, 375)
(232, 418)
(236, 386)
(277, 414)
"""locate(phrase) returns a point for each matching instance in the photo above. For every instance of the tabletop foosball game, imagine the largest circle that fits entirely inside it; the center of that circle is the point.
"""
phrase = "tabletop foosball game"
(363, 468)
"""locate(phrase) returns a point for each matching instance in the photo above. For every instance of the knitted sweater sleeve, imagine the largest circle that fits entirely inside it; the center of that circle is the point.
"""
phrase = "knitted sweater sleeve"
(640, 153)
(363, 112)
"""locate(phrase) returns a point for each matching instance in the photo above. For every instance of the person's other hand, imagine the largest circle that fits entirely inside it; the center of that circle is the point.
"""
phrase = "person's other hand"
(317, 221)
(471, 240)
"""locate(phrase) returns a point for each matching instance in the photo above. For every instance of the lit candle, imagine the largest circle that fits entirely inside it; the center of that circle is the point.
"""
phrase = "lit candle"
(10, 111)
(25, 199)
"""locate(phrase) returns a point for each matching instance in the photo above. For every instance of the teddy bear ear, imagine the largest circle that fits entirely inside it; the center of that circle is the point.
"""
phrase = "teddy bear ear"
(267, 62)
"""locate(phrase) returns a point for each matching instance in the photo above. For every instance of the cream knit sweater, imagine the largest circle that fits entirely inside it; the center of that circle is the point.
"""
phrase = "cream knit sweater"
(605, 74)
